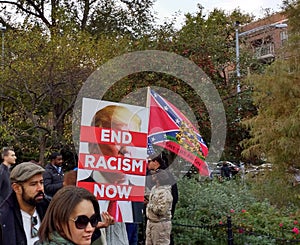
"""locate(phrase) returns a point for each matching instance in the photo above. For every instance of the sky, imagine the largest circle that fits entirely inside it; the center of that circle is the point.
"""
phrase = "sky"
(167, 8)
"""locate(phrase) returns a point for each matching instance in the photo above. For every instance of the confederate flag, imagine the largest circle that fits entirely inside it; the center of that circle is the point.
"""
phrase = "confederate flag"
(170, 129)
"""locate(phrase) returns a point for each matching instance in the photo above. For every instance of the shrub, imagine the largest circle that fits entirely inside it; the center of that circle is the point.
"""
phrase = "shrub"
(203, 208)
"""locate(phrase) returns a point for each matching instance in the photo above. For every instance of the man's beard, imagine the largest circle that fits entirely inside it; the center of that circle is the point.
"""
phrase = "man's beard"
(31, 200)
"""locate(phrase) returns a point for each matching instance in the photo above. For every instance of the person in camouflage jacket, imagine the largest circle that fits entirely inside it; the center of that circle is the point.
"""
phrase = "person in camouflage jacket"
(158, 211)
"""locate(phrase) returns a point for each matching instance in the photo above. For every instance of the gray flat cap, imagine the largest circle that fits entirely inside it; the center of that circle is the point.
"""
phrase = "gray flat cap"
(24, 171)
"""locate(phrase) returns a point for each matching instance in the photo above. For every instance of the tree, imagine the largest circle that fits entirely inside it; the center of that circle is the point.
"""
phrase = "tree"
(53, 48)
(96, 16)
(275, 130)
(209, 42)
(40, 82)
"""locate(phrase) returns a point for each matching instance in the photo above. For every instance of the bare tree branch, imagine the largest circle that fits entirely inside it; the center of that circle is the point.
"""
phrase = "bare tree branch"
(39, 14)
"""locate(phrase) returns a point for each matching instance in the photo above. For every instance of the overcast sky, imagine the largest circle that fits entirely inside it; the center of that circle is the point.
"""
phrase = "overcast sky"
(166, 8)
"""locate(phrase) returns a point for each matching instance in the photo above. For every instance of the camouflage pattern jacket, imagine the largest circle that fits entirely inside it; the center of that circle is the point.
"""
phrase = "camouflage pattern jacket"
(160, 204)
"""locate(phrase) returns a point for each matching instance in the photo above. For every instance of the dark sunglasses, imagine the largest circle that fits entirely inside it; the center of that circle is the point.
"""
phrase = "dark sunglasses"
(82, 221)
(34, 231)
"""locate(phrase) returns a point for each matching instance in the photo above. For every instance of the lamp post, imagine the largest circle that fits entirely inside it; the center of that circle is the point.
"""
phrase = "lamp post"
(3, 29)
(261, 28)
(238, 74)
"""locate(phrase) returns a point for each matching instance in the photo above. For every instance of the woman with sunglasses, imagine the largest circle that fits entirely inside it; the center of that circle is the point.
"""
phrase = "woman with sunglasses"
(71, 218)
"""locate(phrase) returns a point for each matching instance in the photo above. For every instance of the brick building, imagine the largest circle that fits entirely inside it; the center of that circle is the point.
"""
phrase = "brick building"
(265, 37)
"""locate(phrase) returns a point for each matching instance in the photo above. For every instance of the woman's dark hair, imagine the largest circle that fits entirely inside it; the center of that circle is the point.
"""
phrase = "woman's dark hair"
(61, 207)
(161, 160)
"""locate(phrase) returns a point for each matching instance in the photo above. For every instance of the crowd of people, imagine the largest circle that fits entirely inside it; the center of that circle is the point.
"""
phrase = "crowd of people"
(26, 211)
(44, 206)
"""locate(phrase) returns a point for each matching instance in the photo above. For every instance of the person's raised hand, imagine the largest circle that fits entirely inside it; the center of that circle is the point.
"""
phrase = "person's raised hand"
(107, 220)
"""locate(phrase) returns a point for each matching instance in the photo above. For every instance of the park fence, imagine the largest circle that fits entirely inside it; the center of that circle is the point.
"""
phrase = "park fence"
(227, 233)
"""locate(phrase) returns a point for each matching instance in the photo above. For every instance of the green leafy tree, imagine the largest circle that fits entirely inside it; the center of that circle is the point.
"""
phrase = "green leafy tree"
(40, 82)
(209, 41)
(275, 130)
(49, 52)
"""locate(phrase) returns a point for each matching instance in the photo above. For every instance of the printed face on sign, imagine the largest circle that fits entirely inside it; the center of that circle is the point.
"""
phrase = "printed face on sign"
(116, 123)
(113, 142)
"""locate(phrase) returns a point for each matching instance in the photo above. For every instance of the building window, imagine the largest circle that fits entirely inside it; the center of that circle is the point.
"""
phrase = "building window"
(283, 37)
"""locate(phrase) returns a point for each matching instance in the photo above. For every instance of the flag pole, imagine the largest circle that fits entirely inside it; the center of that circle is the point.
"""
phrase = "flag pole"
(148, 98)
(148, 104)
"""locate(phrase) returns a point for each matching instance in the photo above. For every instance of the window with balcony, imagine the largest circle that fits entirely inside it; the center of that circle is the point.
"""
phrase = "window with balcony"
(263, 48)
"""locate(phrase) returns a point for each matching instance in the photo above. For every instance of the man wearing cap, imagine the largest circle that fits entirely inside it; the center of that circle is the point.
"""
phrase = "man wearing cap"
(21, 213)
(53, 175)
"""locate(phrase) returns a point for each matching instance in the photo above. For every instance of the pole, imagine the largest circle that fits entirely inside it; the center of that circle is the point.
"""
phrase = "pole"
(238, 74)
(2, 28)
(229, 231)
